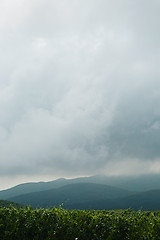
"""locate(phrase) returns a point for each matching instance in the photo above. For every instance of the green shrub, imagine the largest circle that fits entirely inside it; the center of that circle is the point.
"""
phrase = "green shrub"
(60, 224)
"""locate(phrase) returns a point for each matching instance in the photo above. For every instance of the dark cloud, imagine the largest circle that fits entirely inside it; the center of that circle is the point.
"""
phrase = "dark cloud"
(135, 129)
(79, 90)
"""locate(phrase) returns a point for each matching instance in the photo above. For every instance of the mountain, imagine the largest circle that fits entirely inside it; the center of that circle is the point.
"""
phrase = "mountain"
(70, 194)
(135, 183)
(95, 192)
(91, 196)
(41, 186)
(31, 187)
(147, 201)
(132, 183)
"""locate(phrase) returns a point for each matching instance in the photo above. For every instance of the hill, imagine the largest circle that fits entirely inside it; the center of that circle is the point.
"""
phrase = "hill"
(132, 183)
(91, 196)
(135, 183)
(142, 183)
(147, 201)
(90, 193)
(6, 204)
(31, 187)
(71, 194)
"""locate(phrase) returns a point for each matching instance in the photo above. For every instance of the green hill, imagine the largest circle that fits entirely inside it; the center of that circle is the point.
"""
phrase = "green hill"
(148, 201)
(5, 203)
(70, 194)
(31, 187)
(89, 193)
(91, 196)
(132, 183)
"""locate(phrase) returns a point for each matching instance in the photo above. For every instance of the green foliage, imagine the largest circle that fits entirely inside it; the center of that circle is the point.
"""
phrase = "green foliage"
(5, 203)
(60, 224)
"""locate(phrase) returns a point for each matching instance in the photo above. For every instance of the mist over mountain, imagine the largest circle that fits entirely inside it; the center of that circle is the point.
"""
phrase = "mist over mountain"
(130, 183)
(95, 192)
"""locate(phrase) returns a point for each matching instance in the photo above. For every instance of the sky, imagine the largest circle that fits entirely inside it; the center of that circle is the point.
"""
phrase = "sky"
(79, 89)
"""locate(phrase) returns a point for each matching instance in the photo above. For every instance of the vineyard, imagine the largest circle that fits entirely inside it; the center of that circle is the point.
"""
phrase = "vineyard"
(60, 224)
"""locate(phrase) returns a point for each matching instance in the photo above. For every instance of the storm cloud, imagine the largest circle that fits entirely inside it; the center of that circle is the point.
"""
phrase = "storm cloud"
(79, 88)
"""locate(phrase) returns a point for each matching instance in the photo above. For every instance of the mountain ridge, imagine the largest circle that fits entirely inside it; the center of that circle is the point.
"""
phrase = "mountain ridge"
(133, 183)
(72, 192)
(65, 191)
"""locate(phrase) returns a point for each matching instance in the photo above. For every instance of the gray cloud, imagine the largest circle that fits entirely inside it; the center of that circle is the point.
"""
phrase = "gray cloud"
(79, 88)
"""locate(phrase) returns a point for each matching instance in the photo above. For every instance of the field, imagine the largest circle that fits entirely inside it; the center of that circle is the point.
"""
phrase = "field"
(60, 224)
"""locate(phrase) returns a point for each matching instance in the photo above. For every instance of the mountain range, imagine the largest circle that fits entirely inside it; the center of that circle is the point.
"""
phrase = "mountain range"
(95, 192)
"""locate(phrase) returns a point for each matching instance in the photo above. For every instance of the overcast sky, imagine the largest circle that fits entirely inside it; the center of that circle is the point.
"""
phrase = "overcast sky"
(79, 88)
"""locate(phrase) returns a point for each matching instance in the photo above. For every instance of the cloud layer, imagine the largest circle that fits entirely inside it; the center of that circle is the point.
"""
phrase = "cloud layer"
(79, 87)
